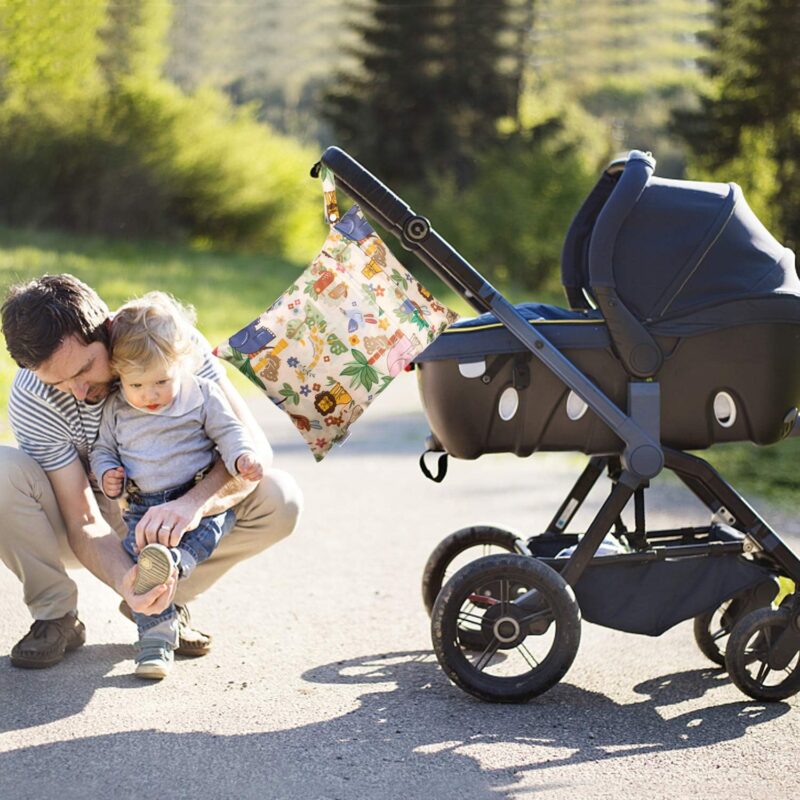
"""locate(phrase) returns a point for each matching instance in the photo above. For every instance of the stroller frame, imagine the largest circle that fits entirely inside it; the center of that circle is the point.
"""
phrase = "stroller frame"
(642, 458)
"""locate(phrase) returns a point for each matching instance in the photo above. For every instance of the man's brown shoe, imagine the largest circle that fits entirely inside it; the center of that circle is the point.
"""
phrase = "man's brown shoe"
(47, 641)
(191, 642)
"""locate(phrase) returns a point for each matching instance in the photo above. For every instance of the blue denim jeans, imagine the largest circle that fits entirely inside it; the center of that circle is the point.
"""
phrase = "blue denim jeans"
(194, 548)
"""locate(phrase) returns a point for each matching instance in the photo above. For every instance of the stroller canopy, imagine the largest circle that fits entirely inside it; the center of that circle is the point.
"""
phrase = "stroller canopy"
(689, 257)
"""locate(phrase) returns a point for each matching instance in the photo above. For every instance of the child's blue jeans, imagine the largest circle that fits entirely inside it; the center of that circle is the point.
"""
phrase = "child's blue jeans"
(194, 548)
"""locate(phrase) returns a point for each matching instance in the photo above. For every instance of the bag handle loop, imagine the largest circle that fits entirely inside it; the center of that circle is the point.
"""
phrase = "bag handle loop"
(331, 207)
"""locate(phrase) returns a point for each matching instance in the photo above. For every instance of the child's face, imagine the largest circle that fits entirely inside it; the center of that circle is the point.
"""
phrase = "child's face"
(152, 388)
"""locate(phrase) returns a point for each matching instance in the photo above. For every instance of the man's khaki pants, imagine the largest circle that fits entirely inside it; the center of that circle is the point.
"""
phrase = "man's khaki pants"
(34, 546)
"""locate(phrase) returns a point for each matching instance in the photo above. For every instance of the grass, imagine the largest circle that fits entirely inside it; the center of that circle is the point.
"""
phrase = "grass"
(230, 289)
(227, 290)
(768, 472)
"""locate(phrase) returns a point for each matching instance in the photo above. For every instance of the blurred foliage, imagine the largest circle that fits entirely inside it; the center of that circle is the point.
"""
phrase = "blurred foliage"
(92, 139)
(511, 219)
(441, 105)
(630, 63)
(769, 472)
(279, 55)
(747, 126)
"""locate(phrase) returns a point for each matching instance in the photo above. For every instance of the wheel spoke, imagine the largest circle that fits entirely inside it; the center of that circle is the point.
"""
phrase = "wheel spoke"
(763, 672)
(719, 634)
(466, 616)
(536, 616)
(505, 592)
(527, 655)
(487, 655)
(754, 654)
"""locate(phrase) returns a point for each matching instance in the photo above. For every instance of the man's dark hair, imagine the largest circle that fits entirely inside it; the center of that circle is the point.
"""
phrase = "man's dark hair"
(38, 316)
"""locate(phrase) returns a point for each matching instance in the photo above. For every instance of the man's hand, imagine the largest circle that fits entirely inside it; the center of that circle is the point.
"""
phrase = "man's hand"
(249, 467)
(167, 523)
(153, 602)
(113, 481)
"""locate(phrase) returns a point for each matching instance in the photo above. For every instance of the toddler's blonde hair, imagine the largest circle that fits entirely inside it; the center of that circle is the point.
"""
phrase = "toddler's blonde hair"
(153, 329)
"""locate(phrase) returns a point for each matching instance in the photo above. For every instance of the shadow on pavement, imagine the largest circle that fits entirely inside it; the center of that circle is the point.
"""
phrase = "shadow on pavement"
(566, 716)
(410, 729)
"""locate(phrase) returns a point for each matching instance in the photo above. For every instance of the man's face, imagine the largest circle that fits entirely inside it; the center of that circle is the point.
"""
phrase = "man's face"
(79, 369)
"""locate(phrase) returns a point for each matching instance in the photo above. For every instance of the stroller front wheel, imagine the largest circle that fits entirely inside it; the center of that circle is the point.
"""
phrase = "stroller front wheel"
(457, 550)
(491, 644)
(754, 660)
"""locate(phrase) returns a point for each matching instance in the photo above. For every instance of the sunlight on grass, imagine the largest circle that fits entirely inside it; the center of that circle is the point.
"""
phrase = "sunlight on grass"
(227, 290)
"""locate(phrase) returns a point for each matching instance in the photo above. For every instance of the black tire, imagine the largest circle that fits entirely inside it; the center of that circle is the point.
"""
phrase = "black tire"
(748, 652)
(438, 567)
(712, 629)
(505, 670)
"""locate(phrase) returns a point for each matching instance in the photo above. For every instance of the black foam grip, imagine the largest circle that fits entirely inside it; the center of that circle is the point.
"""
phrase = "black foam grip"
(366, 189)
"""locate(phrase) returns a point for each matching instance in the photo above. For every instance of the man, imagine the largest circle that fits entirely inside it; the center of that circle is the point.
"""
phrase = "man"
(56, 329)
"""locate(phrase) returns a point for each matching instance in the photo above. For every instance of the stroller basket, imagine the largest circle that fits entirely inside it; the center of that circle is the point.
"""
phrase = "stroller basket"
(649, 592)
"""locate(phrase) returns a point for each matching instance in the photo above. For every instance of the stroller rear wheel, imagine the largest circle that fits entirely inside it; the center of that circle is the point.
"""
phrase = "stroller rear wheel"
(712, 629)
(457, 550)
(496, 648)
(754, 659)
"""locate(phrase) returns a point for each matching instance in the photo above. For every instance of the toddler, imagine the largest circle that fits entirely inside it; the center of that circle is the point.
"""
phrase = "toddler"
(160, 434)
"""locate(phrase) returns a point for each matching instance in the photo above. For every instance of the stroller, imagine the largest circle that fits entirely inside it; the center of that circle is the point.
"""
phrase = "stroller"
(683, 331)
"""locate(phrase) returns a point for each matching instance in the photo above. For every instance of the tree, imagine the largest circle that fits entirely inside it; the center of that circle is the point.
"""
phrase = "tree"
(432, 81)
(748, 126)
(48, 52)
(628, 62)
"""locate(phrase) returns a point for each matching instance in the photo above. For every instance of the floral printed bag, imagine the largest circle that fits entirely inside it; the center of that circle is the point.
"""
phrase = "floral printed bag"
(338, 336)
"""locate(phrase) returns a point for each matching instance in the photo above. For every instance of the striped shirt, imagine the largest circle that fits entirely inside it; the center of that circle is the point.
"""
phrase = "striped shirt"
(54, 428)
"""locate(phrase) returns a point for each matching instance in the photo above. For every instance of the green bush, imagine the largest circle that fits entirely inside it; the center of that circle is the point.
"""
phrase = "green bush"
(511, 220)
(147, 160)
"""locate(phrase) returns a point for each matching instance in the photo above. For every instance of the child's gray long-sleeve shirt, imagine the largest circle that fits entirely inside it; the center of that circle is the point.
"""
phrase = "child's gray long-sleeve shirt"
(164, 450)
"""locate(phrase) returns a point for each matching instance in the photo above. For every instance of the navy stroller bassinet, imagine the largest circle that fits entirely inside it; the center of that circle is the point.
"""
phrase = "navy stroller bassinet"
(717, 294)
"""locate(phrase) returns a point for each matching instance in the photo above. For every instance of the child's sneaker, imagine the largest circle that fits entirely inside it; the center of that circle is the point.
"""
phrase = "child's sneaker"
(155, 567)
(154, 660)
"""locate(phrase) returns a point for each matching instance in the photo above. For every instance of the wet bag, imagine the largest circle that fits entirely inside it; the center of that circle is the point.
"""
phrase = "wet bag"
(338, 336)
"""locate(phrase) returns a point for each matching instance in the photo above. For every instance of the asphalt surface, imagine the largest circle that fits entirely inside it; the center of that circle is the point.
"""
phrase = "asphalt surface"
(322, 683)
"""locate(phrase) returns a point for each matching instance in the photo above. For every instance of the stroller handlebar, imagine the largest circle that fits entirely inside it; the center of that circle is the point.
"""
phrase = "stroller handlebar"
(414, 232)
(367, 190)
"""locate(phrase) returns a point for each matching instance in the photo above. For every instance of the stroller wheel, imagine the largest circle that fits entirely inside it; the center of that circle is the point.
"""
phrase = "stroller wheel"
(712, 629)
(754, 659)
(457, 550)
(491, 645)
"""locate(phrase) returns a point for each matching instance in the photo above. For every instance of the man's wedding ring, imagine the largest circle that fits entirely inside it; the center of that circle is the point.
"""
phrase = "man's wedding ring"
(165, 528)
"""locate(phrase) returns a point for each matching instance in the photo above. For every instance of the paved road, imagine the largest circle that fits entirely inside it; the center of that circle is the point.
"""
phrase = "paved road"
(322, 683)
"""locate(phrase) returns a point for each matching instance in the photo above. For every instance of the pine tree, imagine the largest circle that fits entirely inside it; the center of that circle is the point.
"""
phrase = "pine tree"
(754, 65)
(432, 81)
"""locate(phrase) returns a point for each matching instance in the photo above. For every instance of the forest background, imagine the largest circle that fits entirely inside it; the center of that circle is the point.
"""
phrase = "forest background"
(148, 143)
